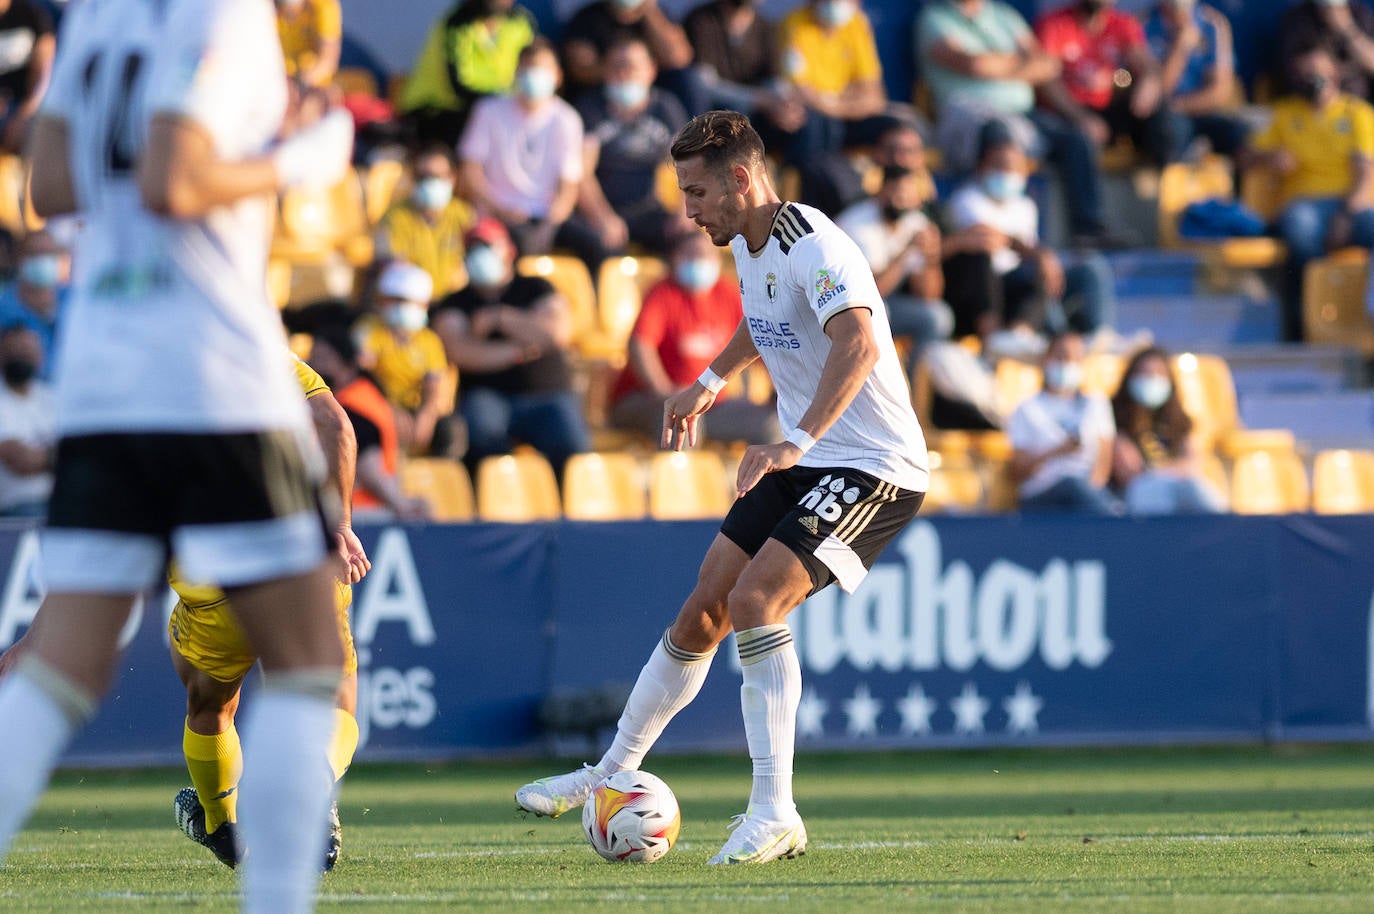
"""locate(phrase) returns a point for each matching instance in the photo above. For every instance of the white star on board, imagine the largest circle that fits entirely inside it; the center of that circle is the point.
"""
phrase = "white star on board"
(1022, 708)
(969, 708)
(810, 713)
(863, 710)
(916, 708)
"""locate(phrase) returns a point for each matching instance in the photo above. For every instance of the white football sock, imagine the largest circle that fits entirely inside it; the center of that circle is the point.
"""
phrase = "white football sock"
(284, 798)
(666, 685)
(40, 711)
(769, 696)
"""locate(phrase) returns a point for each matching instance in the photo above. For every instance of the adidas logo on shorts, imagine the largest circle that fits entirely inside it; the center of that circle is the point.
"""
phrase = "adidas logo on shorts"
(810, 522)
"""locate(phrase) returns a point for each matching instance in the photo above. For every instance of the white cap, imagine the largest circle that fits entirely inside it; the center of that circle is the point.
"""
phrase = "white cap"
(405, 281)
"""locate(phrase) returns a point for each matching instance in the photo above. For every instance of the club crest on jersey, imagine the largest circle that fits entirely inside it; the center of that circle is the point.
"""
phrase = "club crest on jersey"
(770, 285)
(826, 287)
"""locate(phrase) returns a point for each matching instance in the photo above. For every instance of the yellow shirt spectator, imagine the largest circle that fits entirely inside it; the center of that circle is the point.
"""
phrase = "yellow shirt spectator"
(401, 362)
(311, 33)
(1325, 143)
(828, 61)
(435, 247)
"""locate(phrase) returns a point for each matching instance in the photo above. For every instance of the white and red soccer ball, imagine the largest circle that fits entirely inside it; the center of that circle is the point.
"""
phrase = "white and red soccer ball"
(631, 817)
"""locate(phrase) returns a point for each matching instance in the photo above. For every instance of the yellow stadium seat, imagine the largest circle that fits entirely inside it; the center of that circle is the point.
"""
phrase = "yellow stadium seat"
(621, 285)
(443, 483)
(1208, 395)
(686, 485)
(315, 223)
(380, 183)
(1102, 373)
(12, 194)
(952, 488)
(604, 487)
(569, 276)
(356, 81)
(279, 281)
(1269, 482)
(301, 344)
(1214, 471)
(1333, 308)
(665, 187)
(1343, 482)
(517, 488)
(1261, 189)
(1182, 184)
(1015, 382)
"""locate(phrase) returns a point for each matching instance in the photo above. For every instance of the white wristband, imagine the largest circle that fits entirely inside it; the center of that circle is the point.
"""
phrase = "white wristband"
(711, 381)
(800, 439)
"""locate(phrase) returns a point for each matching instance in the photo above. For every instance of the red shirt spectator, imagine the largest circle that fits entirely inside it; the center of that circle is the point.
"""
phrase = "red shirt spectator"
(686, 331)
(1091, 59)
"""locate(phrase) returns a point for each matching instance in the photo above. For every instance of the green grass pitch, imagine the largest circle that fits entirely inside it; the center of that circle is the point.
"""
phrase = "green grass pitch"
(1133, 830)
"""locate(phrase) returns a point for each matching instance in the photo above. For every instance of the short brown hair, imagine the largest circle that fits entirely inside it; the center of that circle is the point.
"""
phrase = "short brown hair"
(723, 139)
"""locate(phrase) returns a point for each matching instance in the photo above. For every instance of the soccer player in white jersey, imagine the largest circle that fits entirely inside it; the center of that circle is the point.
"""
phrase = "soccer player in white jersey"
(813, 509)
(181, 426)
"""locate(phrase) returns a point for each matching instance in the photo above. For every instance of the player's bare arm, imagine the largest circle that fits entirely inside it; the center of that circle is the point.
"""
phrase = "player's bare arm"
(340, 446)
(51, 182)
(853, 353)
(682, 410)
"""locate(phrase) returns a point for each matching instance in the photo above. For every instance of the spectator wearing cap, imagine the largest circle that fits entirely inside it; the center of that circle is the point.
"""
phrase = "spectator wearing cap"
(999, 275)
(427, 228)
(522, 161)
(686, 319)
(510, 337)
(902, 246)
(377, 491)
(406, 357)
(629, 124)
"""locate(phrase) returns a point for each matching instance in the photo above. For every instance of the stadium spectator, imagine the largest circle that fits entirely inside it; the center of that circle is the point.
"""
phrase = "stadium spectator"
(1192, 41)
(377, 491)
(1346, 28)
(311, 33)
(29, 41)
(511, 338)
(522, 161)
(831, 183)
(1109, 82)
(1156, 461)
(998, 274)
(737, 61)
(1061, 439)
(902, 246)
(596, 26)
(36, 296)
(831, 59)
(472, 51)
(406, 357)
(427, 228)
(628, 126)
(685, 320)
(1321, 141)
(27, 426)
(983, 62)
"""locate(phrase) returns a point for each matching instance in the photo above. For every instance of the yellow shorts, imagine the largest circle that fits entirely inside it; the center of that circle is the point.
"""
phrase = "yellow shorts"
(209, 637)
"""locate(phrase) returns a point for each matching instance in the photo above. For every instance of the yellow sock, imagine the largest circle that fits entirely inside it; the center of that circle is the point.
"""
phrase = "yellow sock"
(344, 743)
(215, 764)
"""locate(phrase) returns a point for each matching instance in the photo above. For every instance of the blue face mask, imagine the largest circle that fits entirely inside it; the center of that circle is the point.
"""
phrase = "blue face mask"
(1004, 185)
(1150, 390)
(485, 266)
(433, 193)
(536, 83)
(697, 275)
(41, 270)
(627, 94)
(1063, 376)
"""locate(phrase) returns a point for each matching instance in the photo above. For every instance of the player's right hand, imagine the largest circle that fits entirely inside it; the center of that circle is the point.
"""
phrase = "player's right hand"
(680, 414)
(356, 563)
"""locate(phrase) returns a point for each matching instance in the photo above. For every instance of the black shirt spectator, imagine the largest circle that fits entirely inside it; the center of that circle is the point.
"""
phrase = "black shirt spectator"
(27, 45)
(547, 372)
(596, 27)
(750, 58)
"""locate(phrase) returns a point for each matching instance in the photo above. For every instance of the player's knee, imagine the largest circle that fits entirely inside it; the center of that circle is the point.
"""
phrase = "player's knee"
(749, 606)
(210, 704)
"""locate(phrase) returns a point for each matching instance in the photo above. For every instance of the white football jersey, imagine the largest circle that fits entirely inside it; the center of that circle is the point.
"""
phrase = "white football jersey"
(169, 328)
(808, 272)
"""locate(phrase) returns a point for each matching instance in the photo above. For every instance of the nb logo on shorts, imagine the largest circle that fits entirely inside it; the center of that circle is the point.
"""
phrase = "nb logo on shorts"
(825, 498)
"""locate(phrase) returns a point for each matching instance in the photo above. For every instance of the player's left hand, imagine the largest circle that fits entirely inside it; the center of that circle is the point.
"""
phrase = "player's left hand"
(760, 459)
(356, 564)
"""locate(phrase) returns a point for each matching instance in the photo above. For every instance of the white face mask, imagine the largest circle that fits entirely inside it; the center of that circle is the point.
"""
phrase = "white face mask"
(836, 13)
(1063, 376)
(407, 315)
(485, 266)
(1150, 390)
(697, 275)
(536, 83)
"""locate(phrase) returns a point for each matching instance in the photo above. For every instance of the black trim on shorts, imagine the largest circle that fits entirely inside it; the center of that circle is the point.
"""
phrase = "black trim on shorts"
(802, 507)
(152, 483)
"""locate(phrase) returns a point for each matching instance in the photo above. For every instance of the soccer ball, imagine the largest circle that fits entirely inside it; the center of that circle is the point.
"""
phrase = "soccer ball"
(632, 817)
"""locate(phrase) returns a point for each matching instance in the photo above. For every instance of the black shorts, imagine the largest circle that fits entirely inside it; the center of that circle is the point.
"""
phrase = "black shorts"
(837, 520)
(236, 508)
